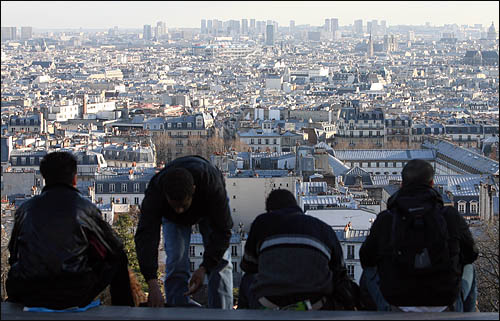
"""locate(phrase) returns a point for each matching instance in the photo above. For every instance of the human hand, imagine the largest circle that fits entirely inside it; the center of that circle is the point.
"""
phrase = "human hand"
(196, 280)
(155, 298)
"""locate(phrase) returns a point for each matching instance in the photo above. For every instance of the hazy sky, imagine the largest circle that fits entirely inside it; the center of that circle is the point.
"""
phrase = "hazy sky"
(134, 14)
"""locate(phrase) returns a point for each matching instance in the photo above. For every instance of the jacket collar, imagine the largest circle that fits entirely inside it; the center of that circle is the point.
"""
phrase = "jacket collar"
(58, 186)
(422, 193)
(288, 210)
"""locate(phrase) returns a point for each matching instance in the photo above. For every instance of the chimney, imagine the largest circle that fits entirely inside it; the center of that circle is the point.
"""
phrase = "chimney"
(84, 109)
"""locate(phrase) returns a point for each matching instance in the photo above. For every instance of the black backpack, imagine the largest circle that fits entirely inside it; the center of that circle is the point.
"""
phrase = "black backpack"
(419, 239)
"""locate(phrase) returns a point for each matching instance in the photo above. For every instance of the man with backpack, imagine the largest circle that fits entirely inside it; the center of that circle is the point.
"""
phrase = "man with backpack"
(419, 251)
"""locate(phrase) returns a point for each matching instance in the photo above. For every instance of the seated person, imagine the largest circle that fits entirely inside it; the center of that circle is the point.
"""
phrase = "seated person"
(62, 253)
(418, 256)
(293, 261)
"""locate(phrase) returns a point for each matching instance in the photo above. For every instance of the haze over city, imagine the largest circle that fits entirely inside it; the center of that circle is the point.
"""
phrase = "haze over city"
(187, 14)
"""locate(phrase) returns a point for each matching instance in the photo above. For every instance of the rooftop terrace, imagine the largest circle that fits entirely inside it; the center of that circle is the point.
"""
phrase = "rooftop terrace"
(12, 311)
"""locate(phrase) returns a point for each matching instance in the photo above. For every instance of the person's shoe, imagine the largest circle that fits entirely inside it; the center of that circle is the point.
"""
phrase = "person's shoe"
(190, 304)
(193, 304)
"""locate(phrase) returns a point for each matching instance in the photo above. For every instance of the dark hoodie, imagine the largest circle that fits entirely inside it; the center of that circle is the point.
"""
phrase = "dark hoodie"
(294, 254)
(399, 288)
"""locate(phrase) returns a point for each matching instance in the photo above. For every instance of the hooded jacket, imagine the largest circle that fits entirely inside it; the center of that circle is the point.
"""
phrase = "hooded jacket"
(399, 289)
(294, 254)
(209, 202)
(58, 241)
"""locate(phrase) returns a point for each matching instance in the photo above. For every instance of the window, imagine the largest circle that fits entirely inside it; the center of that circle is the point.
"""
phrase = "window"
(99, 188)
(235, 266)
(473, 207)
(461, 207)
(350, 252)
(259, 141)
(267, 141)
(136, 200)
(169, 125)
(350, 270)
(234, 250)
(191, 266)
(136, 187)
(124, 200)
(275, 141)
(192, 250)
(124, 187)
(23, 160)
(251, 141)
(111, 187)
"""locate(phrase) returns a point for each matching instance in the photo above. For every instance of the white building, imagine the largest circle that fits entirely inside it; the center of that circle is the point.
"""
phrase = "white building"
(247, 195)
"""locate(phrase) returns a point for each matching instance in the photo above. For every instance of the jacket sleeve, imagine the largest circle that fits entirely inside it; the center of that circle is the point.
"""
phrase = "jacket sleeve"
(468, 249)
(101, 232)
(220, 222)
(345, 290)
(18, 220)
(250, 263)
(147, 236)
(369, 249)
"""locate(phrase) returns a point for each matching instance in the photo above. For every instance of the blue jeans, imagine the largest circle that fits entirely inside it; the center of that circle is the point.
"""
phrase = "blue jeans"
(220, 280)
(466, 302)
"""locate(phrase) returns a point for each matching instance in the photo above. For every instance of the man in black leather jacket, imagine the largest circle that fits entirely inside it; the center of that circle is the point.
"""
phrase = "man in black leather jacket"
(188, 191)
(62, 253)
(294, 261)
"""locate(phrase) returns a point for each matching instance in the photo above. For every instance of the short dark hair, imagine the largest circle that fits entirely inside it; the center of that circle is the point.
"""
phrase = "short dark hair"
(58, 167)
(178, 183)
(280, 198)
(417, 171)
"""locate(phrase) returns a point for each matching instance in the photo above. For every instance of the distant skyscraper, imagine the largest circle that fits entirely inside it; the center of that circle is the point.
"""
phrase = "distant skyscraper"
(375, 27)
(369, 27)
(334, 22)
(203, 26)
(411, 35)
(147, 33)
(292, 26)
(358, 26)
(26, 33)
(209, 26)
(161, 29)
(383, 27)
(270, 35)
(244, 26)
(9, 33)
(327, 25)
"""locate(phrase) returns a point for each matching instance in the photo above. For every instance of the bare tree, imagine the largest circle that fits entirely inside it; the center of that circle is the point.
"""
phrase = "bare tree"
(487, 267)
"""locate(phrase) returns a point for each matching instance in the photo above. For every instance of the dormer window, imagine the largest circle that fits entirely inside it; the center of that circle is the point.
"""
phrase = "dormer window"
(169, 125)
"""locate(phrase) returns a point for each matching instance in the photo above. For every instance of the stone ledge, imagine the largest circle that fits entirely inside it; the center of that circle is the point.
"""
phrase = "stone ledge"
(12, 311)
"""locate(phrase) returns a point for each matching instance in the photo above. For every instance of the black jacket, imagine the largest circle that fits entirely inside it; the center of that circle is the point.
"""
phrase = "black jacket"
(209, 201)
(53, 252)
(400, 289)
(292, 254)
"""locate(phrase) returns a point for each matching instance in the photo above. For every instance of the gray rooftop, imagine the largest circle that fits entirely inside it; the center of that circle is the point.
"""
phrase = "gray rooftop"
(385, 154)
(474, 160)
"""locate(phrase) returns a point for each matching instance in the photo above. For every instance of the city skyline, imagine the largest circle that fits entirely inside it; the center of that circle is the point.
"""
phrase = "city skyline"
(178, 14)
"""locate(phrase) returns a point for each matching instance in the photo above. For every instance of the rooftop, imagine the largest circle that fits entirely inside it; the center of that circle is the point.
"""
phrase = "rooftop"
(12, 311)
